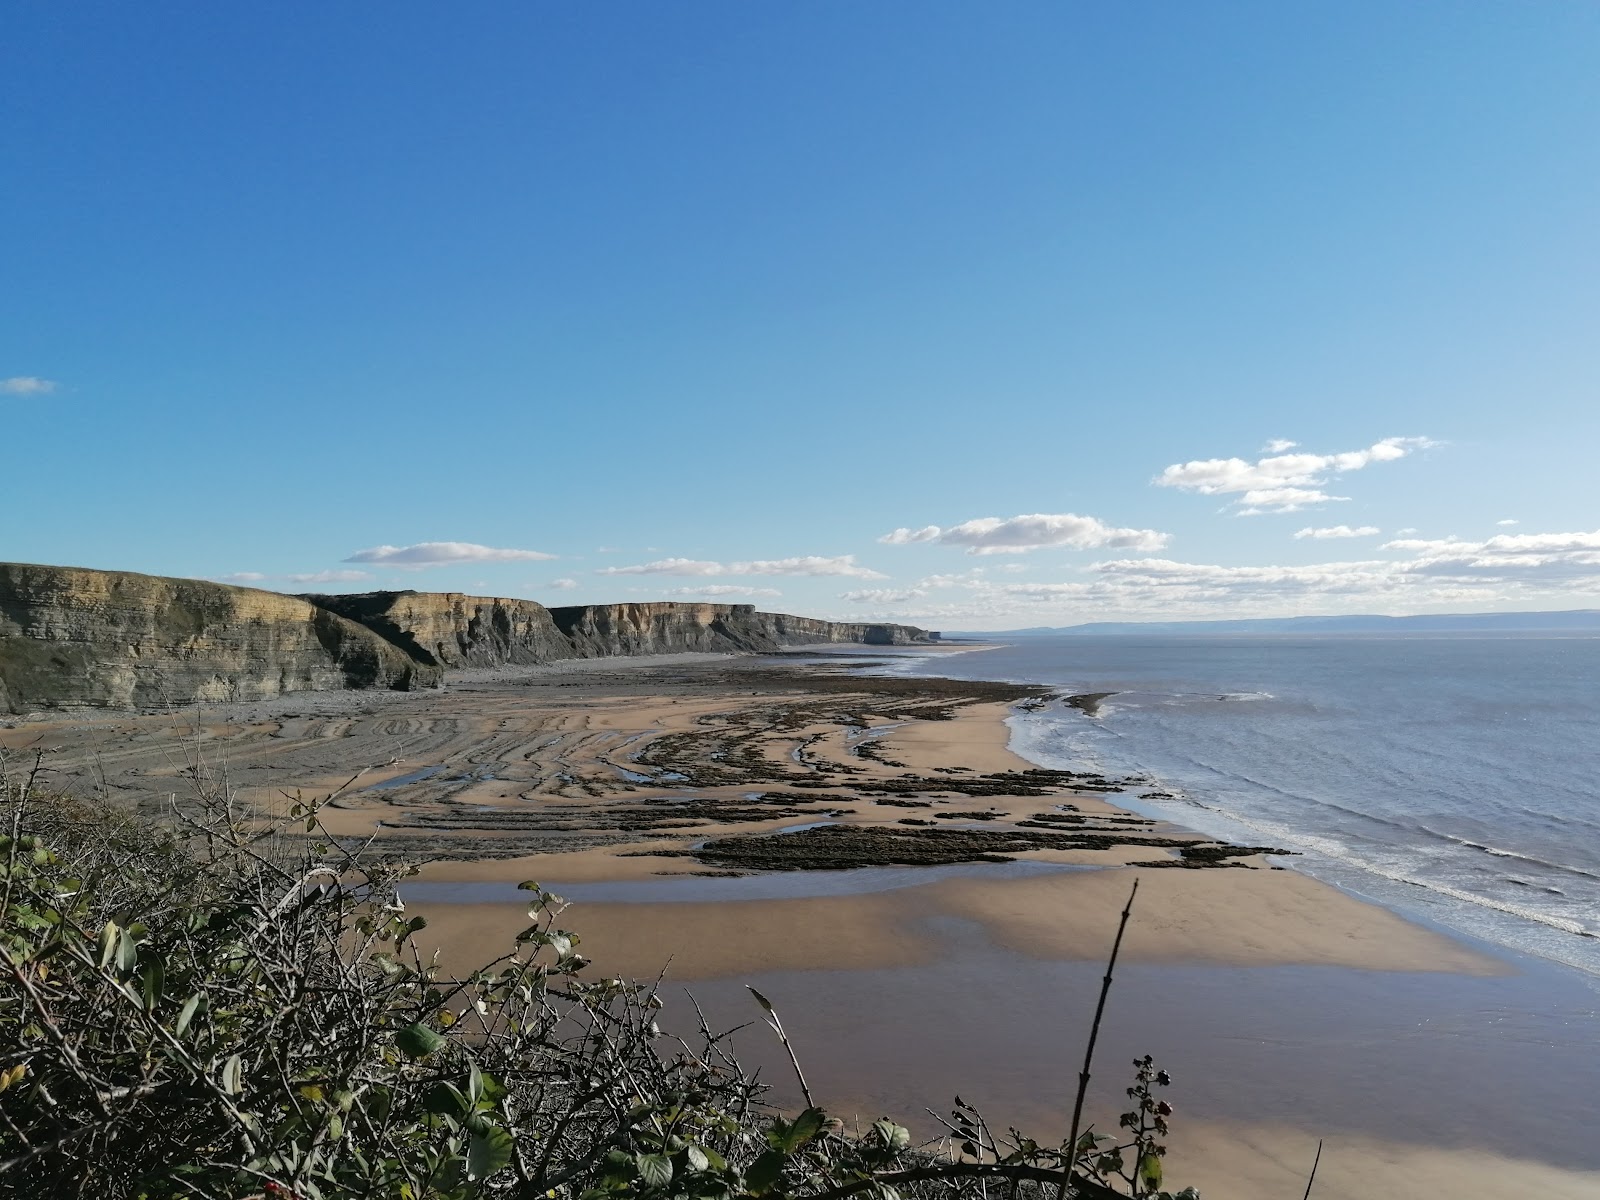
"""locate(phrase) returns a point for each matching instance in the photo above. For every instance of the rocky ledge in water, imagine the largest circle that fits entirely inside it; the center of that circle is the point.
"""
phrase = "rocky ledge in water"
(842, 847)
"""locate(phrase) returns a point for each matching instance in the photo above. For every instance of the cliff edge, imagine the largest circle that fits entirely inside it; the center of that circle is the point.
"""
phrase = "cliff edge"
(72, 637)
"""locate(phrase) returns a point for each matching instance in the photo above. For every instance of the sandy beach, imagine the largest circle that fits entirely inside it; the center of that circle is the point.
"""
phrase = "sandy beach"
(698, 814)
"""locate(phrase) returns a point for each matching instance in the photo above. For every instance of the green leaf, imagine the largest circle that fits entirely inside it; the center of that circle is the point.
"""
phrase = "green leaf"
(713, 1159)
(618, 1167)
(488, 1151)
(155, 981)
(186, 1014)
(128, 949)
(233, 1076)
(803, 1128)
(108, 943)
(765, 1172)
(418, 1041)
(696, 1158)
(446, 1100)
(1150, 1170)
(654, 1169)
(895, 1137)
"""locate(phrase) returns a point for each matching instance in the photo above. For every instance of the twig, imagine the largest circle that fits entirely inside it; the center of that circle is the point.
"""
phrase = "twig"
(1313, 1177)
(777, 1028)
(1088, 1053)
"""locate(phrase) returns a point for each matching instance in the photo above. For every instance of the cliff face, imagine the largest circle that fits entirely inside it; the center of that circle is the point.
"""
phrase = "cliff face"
(71, 637)
(600, 630)
(448, 629)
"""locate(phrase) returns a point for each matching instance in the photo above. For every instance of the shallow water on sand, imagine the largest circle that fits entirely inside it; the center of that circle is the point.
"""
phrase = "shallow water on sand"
(1453, 777)
(1496, 1063)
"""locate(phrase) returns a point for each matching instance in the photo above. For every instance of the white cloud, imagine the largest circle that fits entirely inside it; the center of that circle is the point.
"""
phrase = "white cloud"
(722, 589)
(883, 595)
(562, 585)
(1507, 572)
(1033, 531)
(904, 537)
(669, 566)
(1278, 445)
(330, 577)
(964, 579)
(844, 564)
(1406, 532)
(26, 385)
(438, 554)
(1337, 531)
(1509, 521)
(1546, 557)
(241, 577)
(1281, 483)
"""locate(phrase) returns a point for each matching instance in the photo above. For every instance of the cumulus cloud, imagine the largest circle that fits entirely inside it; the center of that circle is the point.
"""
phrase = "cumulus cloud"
(1281, 483)
(883, 595)
(905, 537)
(440, 554)
(1033, 531)
(1278, 445)
(1502, 573)
(722, 589)
(330, 577)
(1509, 521)
(1550, 557)
(562, 585)
(1337, 531)
(816, 565)
(26, 385)
(964, 579)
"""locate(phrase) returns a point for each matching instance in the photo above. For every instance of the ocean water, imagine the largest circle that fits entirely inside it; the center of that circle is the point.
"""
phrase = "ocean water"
(1455, 778)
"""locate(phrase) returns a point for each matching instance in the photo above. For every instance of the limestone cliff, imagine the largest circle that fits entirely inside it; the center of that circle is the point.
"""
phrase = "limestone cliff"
(71, 637)
(448, 629)
(599, 630)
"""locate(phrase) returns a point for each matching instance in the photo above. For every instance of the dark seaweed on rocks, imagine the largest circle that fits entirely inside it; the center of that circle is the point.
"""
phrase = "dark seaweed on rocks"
(842, 847)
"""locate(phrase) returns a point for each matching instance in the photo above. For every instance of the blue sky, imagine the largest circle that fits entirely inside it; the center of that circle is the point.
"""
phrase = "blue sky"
(711, 299)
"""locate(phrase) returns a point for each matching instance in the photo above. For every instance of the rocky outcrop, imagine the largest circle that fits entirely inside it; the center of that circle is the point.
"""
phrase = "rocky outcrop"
(71, 637)
(451, 630)
(602, 630)
(448, 629)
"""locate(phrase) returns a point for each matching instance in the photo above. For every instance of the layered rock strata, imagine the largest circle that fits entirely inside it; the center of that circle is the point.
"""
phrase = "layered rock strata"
(71, 637)
(599, 630)
(448, 629)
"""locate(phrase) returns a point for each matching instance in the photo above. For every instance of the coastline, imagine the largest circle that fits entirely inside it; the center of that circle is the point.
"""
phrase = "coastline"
(1269, 993)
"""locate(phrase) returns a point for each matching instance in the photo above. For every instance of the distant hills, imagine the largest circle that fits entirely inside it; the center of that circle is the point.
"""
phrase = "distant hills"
(1583, 620)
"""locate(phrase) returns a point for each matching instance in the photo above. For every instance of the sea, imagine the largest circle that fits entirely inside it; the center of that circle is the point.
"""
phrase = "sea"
(1454, 778)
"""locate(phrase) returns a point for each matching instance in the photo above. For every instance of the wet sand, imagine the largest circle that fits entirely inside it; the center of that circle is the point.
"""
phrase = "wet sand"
(1287, 1009)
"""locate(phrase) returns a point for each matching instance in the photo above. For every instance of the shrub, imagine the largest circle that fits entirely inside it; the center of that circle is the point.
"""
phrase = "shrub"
(212, 1009)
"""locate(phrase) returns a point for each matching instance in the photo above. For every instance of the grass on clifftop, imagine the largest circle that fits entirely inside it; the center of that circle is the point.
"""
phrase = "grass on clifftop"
(215, 1008)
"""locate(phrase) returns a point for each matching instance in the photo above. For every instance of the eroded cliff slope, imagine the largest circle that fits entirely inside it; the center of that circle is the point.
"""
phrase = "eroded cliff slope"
(448, 629)
(72, 637)
(600, 630)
